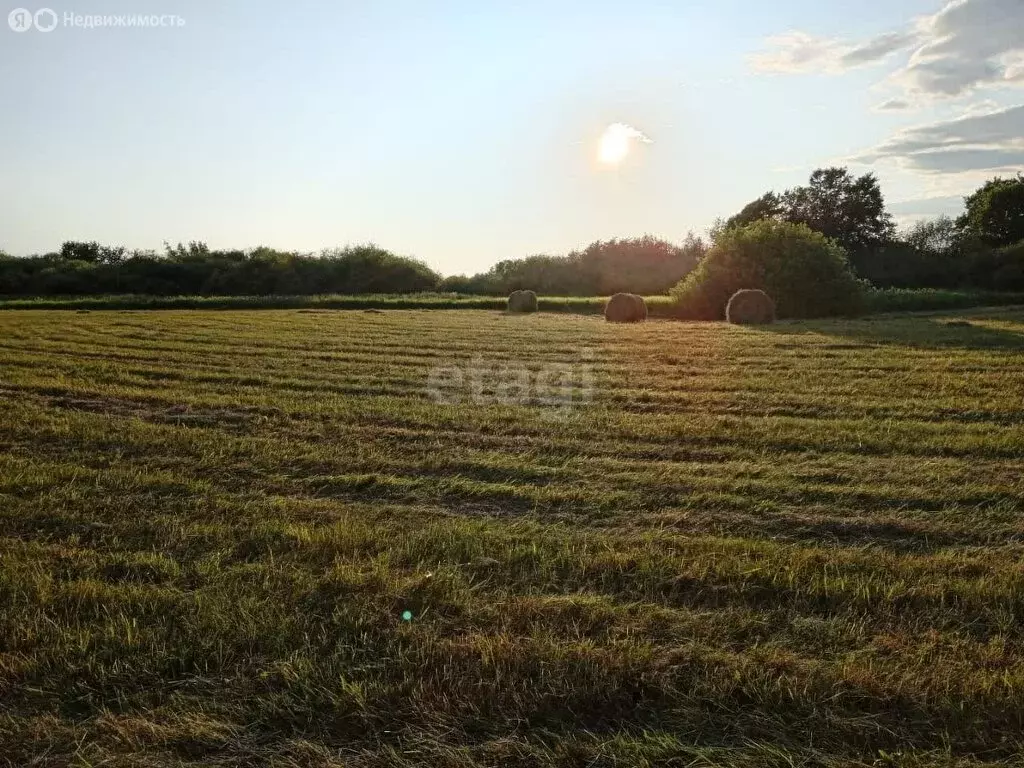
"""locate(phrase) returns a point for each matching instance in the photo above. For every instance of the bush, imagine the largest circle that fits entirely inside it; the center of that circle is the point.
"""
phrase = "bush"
(904, 265)
(625, 308)
(807, 274)
(522, 301)
(750, 307)
(1006, 268)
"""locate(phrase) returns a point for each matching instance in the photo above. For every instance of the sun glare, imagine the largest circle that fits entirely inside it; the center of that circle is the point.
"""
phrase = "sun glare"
(616, 142)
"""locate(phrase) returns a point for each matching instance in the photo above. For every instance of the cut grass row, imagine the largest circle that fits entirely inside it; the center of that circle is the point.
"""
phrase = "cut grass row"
(797, 546)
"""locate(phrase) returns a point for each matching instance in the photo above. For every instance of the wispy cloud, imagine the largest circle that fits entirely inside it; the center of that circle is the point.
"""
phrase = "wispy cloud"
(965, 47)
(892, 105)
(798, 52)
(968, 44)
(626, 132)
(991, 140)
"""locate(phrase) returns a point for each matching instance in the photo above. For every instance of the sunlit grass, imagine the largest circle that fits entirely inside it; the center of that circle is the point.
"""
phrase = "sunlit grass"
(239, 538)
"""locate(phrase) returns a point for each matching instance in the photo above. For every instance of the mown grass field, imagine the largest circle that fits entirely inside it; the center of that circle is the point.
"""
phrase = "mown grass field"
(795, 546)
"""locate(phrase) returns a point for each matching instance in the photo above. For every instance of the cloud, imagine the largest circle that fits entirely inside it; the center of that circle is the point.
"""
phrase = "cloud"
(892, 105)
(1014, 71)
(876, 49)
(798, 52)
(966, 45)
(981, 108)
(996, 127)
(986, 141)
(963, 160)
(626, 132)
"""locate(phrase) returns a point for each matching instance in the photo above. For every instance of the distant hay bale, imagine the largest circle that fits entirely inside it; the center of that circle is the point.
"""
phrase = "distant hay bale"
(641, 308)
(750, 307)
(625, 308)
(522, 301)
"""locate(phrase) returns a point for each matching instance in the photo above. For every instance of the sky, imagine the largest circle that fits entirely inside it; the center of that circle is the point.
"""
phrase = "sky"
(465, 133)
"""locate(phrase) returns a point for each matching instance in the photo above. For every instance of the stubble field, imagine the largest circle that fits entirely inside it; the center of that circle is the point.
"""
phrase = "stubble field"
(256, 537)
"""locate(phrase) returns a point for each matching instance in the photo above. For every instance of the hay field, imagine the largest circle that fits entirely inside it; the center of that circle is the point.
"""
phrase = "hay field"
(340, 538)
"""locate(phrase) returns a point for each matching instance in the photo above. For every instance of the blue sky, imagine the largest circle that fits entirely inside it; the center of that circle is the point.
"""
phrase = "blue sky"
(464, 134)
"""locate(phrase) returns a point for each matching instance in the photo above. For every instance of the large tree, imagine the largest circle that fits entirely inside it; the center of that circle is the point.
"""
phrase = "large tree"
(995, 212)
(934, 237)
(846, 208)
(849, 209)
(767, 206)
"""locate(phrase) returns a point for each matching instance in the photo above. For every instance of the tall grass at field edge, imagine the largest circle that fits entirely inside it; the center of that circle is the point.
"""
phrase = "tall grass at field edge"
(878, 300)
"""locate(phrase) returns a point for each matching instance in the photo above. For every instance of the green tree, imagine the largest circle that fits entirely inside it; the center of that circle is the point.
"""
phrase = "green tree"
(72, 250)
(935, 237)
(849, 209)
(645, 265)
(767, 206)
(805, 273)
(92, 252)
(931, 253)
(995, 212)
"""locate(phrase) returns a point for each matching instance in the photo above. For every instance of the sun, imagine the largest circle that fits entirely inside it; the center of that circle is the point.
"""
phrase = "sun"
(613, 146)
(616, 142)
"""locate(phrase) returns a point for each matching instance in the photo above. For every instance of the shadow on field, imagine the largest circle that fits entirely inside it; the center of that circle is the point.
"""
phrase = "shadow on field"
(967, 330)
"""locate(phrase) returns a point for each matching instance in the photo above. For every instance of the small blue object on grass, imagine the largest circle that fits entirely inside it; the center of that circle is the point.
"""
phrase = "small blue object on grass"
(406, 615)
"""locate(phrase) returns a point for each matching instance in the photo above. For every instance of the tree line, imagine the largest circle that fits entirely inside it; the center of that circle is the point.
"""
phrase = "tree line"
(81, 269)
(640, 265)
(983, 248)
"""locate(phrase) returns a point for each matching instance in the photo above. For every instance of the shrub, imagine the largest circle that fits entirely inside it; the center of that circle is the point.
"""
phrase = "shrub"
(750, 307)
(625, 308)
(807, 274)
(1009, 274)
(522, 301)
(904, 265)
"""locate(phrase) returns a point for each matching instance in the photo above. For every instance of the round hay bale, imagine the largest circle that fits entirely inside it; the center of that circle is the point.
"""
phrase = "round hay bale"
(641, 307)
(522, 301)
(625, 308)
(750, 307)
